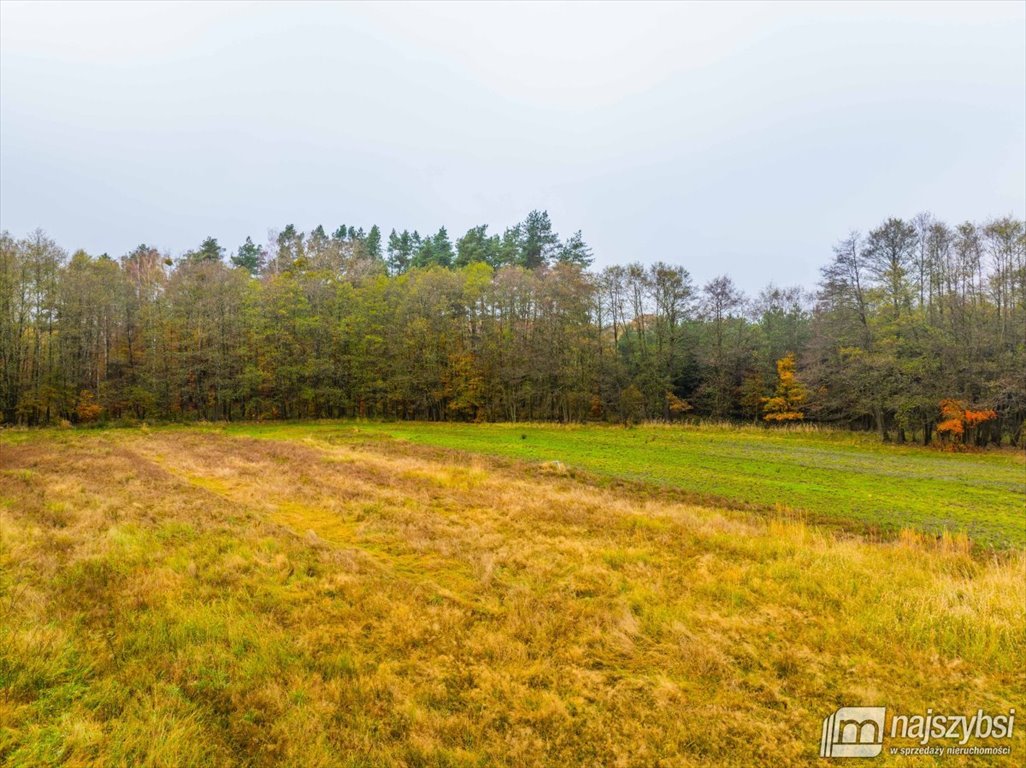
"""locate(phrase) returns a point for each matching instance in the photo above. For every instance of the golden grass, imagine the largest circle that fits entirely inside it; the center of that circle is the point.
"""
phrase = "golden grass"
(180, 598)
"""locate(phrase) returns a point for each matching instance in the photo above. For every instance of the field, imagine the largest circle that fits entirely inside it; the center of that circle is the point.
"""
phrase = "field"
(365, 594)
(827, 476)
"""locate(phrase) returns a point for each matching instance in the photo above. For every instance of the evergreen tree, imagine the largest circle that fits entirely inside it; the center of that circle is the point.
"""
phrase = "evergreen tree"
(400, 252)
(434, 251)
(442, 248)
(372, 243)
(209, 250)
(477, 246)
(509, 248)
(249, 256)
(575, 251)
(538, 243)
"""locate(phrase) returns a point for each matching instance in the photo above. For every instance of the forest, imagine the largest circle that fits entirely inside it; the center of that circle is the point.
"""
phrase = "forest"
(916, 329)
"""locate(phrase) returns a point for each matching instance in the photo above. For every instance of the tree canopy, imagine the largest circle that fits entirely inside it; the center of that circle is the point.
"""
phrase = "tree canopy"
(915, 330)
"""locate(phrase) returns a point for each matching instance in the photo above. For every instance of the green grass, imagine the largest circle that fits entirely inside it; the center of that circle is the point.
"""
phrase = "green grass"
(830, 476)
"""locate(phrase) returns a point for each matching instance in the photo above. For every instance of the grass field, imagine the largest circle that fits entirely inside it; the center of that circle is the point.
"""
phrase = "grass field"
(829, 476)
(327, 595)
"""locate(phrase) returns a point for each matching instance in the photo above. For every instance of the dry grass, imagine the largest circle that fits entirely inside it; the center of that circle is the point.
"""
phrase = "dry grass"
(189, 599)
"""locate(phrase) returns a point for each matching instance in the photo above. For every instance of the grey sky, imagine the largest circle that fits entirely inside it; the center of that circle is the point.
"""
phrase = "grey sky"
(732, 138)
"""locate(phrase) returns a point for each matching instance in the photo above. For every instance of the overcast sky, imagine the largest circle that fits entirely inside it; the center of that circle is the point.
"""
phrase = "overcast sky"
(734, 138)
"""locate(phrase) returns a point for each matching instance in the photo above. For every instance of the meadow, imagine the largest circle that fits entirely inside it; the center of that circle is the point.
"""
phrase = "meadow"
(827, 476)
(355, 594)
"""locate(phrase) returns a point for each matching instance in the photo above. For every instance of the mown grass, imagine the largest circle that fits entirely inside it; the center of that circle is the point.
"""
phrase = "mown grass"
(194, 598)
(828, 475)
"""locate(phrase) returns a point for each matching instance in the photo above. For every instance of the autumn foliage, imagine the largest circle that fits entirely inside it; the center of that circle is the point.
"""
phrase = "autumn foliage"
(786, 403)
(958, 422)
(87, 409)
(677, 406)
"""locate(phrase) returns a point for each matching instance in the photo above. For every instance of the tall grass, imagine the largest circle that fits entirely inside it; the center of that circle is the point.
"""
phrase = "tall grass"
(188, 598)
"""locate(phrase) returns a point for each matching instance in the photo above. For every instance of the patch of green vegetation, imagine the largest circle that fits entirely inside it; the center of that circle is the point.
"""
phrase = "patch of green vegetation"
(833, 476)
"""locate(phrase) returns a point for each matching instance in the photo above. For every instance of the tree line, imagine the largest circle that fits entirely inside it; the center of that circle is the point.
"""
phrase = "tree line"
(917, 330)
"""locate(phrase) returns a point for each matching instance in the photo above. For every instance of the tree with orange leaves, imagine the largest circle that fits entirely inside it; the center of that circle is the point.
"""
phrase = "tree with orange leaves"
(87, 408)
(959, 423)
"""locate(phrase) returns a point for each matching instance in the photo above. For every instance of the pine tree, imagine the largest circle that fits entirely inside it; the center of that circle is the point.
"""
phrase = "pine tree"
(477, 246)
(400, 252)
(249, 256)
(575, 251)
(435, 250)
(209, 250)
(442, 248)
(537, 240)
(372, 243)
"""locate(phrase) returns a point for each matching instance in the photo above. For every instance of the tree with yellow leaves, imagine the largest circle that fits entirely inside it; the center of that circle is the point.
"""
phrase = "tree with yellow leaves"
(786, 403)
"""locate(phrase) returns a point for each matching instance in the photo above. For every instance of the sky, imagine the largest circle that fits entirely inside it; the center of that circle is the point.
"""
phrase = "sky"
(732, 138)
